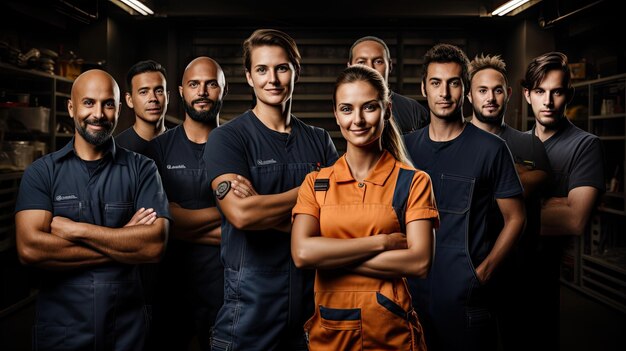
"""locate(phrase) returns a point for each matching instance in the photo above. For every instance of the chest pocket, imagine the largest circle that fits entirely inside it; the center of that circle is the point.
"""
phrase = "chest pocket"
(117, 214)
(400, 193)
(71, 210)
(455, 195)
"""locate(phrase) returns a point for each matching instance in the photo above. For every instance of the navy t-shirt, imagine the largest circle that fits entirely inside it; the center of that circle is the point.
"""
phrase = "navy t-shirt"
(182, 165)
(410, 115)
(467, 174)
(274, 162)
(577, 159)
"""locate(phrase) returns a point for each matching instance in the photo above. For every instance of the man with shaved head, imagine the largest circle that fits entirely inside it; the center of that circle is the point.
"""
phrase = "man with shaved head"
(190, 283)
(88, 214)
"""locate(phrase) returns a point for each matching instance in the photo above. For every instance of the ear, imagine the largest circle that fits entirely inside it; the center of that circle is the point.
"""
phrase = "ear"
(336, 118)
(225, 90)
(70, 108)
(249, 79)
(469, 97)
(527, 95)
(167, 99)
(423, 90)
(388, 111)
(509, 91)
(129, 100)
(180, 91)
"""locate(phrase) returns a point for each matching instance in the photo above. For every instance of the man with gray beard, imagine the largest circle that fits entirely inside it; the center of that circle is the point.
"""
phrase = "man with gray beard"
(190, 283)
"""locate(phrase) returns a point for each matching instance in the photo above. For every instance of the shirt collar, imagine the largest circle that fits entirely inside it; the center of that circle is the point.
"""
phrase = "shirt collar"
(68, 149)
(382, 170)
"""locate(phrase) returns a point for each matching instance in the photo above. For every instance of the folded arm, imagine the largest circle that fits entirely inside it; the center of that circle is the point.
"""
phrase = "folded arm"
(256, 212)
(568, 215)
(310, 250)
(37, 247)
(201, 226)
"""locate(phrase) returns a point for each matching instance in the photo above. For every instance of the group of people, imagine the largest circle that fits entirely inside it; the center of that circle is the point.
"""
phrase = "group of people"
(430, 232)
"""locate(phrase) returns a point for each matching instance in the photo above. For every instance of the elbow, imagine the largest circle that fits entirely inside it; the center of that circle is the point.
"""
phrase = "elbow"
(578, 227)
(301, 259)
(241, 220)
(419, 268)
(27, 256)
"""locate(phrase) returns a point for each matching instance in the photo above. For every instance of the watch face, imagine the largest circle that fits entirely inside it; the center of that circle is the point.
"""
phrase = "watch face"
(222, 189)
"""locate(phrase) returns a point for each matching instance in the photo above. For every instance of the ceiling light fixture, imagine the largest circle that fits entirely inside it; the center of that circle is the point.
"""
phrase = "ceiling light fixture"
(508, 7)
(136, 5)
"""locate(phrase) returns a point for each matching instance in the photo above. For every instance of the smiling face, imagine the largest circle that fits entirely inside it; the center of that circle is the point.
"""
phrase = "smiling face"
(271, 75)
(489, 95)
(360, 114)
(148, 97)
(94, 106)
(443, 87)
(202, 90)
(549, 99)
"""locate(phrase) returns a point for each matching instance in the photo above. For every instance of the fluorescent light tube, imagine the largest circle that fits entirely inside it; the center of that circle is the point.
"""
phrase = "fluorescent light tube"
(508, 7)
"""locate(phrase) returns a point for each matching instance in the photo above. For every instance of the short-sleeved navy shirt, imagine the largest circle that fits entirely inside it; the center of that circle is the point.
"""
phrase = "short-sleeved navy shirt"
(274, 162)
(182, 166)
(123, 182)
(576, 157)
(467, 174)
(409, 114)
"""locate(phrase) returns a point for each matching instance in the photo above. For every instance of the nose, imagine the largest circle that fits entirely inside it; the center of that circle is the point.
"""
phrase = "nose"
(273, 78)
(547, 100)
(153, 96)
(202, 90)
(99, 111)
(357, 117)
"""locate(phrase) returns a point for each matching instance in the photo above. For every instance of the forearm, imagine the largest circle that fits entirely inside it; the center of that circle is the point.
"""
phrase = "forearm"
(507, 239)
(328, 253)
(132, 245)
(558, 218)
(201, 226)
(44, 250)
(260, 212)
(394, 264)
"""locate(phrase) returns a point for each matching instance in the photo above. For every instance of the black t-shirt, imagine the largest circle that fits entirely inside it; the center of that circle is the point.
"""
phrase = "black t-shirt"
(468, 173)
(410, 115)
(129, 139)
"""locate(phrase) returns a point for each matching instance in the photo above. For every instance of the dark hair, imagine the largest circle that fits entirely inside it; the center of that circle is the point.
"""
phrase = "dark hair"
(142, 67)
(541, 65)
(391, 138)
(444, 53)
(370, 38)
(482, 62)
(272, 37)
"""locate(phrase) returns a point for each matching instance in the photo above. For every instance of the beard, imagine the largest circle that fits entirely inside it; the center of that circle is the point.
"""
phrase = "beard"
(207, 117)
(495, 120)
(97, 138)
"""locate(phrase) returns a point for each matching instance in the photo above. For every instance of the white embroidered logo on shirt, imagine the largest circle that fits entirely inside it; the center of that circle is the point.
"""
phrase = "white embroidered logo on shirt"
(267, 162)
(65, 197)
(176, 167)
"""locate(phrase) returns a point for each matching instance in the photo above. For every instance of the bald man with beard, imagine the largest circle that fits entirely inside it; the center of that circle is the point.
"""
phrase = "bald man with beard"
(190, 281)
(87, 215)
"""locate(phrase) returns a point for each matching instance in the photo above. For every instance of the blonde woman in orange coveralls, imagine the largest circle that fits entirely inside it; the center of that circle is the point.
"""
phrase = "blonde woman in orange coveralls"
(346, 228)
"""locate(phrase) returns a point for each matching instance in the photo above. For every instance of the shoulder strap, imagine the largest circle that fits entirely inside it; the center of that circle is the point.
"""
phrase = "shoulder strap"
(322, 182)
(401, 195)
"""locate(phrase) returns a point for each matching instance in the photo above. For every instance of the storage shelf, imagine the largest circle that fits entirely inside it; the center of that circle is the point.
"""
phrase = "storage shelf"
(611, 116)
(611, 211)
(605, 263)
